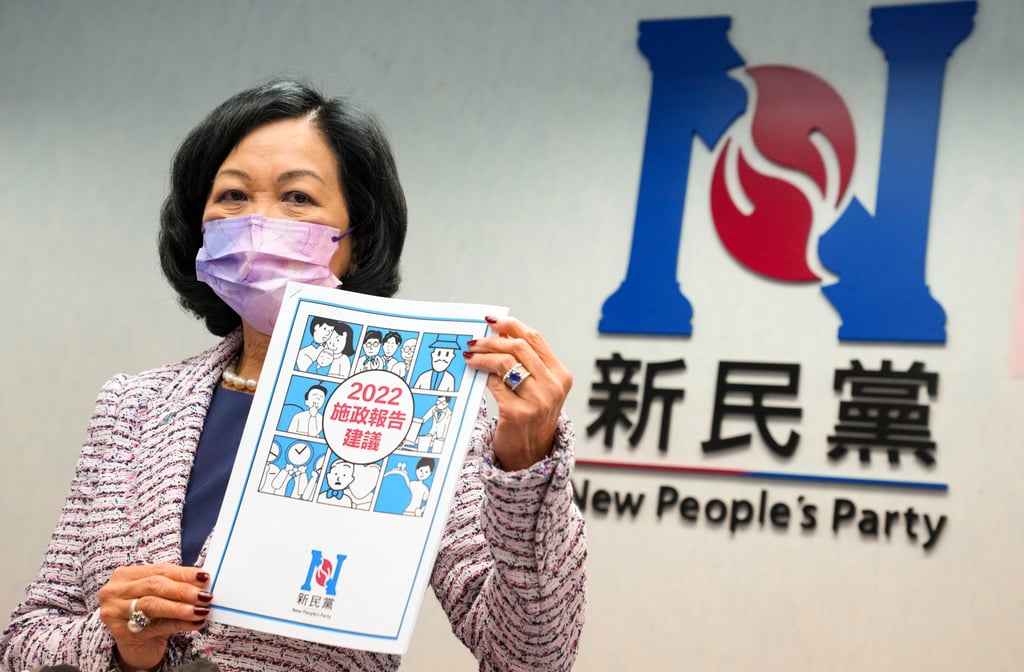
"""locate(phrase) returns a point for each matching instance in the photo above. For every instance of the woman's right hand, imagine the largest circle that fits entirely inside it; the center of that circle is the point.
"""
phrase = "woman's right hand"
(174, 598)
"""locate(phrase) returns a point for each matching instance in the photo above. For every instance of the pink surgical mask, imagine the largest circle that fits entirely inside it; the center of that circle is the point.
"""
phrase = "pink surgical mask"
(248, 260)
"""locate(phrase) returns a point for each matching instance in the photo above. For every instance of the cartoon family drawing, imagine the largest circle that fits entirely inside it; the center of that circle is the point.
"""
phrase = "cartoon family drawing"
(419, 491)
(330, 352)
(320, 328)
(442, 352)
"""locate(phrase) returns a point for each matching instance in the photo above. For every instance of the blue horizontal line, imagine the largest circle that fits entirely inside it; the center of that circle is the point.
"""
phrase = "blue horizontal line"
(772, 475)
(382, 313)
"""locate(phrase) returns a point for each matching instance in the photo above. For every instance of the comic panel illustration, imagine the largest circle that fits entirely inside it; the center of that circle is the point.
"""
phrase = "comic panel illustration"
(303, 408)
(364, 421)
(405, 487)
(384, 349)
(327, 347)
(293, 468)
(349, 485)
(432, 416)
(439, 365)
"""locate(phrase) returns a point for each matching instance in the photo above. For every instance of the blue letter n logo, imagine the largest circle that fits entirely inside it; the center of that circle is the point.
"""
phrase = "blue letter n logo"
(881, 293)
(323, 573)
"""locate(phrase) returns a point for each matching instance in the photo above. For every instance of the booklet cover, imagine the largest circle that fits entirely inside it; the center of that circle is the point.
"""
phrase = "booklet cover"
(347, 467)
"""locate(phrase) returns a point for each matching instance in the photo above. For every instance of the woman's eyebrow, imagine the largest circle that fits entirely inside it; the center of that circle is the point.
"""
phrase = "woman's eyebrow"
(292, 174)
(237, 173)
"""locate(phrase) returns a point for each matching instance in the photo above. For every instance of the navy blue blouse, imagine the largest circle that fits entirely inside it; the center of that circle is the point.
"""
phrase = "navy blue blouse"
(215, 456)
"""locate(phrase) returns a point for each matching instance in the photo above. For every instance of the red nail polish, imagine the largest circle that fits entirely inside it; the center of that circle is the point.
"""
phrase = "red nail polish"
(471, 342)
(466, 354)
(491, 320)
(202, 577)
(205, 596)
(200, 611)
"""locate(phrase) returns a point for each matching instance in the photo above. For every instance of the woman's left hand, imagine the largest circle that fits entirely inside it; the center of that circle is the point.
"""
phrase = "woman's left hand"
(528, 414)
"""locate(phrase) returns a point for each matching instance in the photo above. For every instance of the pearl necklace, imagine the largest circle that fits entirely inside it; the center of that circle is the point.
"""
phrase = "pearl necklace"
(235, 381)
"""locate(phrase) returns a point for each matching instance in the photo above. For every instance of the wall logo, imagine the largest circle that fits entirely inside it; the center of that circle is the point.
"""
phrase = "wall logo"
(772, 238)
(881, 293)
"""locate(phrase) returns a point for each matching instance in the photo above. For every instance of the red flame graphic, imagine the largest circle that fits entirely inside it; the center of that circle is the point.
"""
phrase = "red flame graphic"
(323, 573)
(791, 104)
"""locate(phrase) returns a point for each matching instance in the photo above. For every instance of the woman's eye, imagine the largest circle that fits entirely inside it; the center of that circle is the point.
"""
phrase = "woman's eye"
(298, 198)
(232, 195)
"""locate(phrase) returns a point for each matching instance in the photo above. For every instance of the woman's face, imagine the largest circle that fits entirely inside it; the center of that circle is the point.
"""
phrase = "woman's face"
(283, 170)
(336, 341)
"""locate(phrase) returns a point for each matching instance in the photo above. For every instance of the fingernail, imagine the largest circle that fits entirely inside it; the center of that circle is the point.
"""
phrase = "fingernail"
(205, 596)
(466, 354)
(471, 342)
(200, 611)
(202, 577)
(491, 320)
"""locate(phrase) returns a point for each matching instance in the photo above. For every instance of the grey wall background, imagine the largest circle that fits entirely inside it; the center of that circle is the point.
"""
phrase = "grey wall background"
(518, 128)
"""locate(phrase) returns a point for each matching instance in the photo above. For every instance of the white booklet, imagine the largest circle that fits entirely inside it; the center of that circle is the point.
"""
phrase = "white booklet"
(347, 468)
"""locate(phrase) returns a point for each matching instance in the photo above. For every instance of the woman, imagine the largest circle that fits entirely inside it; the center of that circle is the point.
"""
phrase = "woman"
(121, 587)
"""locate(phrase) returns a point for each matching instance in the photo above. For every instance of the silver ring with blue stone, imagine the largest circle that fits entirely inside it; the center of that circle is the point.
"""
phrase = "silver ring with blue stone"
(137, 619)
(515, 376)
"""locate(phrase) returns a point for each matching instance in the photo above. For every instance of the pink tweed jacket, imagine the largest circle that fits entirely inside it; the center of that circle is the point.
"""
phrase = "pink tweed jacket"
(510, 573)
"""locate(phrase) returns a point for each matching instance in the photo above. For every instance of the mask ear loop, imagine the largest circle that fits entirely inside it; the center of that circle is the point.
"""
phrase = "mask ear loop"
(335, 239)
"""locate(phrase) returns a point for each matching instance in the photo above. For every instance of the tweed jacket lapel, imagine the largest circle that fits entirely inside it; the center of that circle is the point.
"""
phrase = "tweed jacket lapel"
(169, 430)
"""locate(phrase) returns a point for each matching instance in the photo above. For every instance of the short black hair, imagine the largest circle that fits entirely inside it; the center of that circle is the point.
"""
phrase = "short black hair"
(319, 321)
(316, 387)
(395, 336)
(366, 169)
